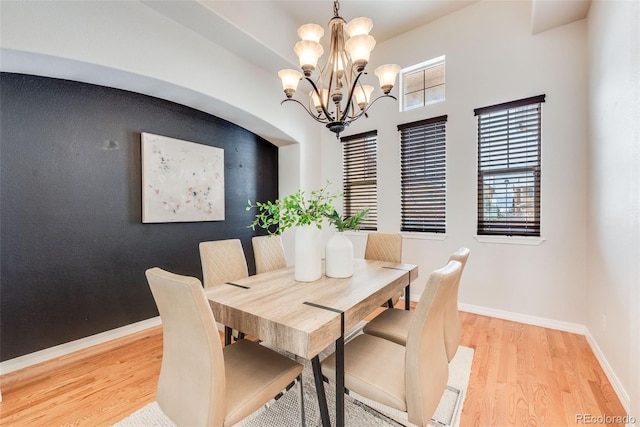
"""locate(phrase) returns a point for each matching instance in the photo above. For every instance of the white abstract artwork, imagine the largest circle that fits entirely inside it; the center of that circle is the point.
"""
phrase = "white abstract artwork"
(181, 181)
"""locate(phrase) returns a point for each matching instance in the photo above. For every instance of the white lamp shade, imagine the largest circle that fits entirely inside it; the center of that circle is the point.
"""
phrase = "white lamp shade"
(317, 102)
(387, 75)
(290, 79)
(338, 64)
(308, 53)
(363, 94)
(358, 26)
(360, 47)
(311, 32)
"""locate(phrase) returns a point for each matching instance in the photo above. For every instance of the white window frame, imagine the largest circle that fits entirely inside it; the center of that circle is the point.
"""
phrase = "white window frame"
(412, 69)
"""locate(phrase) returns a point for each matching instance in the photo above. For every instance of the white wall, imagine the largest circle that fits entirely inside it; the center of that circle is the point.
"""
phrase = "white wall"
(613, 227)
(491, 57)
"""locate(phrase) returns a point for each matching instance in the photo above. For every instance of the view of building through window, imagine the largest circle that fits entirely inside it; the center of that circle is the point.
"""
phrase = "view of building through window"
(509, 196)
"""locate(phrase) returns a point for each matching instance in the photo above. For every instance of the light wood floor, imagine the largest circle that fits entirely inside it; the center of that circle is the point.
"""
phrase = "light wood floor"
(521, 376)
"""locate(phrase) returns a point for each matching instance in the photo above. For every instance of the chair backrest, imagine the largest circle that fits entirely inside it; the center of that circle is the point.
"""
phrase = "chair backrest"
(383, 247)
(269, 253)
(426, 365)
(222, 261)
(191, 387)
(452, 327)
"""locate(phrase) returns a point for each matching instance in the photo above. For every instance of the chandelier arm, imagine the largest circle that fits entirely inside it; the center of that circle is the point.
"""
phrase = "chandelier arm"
(324, 109)
(351, 119)
(364, 112)
(305, 109)
(348, 104)
(371, 103)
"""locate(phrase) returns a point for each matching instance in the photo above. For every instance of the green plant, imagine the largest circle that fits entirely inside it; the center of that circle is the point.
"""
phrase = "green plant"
(293, 210)
(296, 210)
(347, 223)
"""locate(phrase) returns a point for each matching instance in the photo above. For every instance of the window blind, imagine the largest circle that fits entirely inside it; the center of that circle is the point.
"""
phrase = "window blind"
(423, 175)
(360, 177)
(509, 145)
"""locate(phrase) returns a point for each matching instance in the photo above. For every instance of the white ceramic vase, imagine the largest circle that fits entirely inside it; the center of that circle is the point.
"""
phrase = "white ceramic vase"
(308, 253)
(339, 256)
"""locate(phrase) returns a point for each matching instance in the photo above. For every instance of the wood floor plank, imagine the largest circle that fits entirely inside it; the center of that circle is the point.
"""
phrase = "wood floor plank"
(521, 375)
(551, 376)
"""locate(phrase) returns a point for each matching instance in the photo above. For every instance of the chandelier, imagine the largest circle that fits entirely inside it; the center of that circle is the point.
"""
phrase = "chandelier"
(337, 97)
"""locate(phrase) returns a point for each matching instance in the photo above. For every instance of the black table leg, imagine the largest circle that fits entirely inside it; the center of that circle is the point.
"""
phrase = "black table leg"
(340, 380)
(317, 373)
(407, 297)
(227, 335)
(322, 398)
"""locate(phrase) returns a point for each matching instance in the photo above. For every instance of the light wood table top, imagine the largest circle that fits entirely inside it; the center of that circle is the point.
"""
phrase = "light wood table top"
(304, 317)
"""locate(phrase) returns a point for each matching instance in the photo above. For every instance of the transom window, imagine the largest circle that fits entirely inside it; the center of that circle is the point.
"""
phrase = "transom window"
(360, 177)
(509, 145)
(422, 84)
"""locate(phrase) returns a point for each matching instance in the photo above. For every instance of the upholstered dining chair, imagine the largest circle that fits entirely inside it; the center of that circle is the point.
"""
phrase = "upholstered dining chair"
(405, 383)
(194, 388)
(269, 253)
(384, 247)
(223, 261)
(394, 324)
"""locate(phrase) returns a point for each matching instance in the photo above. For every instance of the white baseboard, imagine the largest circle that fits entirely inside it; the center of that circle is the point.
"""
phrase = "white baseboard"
(622, 394)
(575, 328)
(67, 348)
(561, 326)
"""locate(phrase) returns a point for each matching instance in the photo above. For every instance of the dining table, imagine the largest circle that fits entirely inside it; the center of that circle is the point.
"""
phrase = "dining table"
(305, 318)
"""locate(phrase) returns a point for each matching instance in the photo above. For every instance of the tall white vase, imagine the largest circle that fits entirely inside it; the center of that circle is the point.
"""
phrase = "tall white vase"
(308, 253)
(339, 256)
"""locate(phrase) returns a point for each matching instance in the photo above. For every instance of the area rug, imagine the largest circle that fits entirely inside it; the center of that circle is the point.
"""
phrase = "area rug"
(285, 411)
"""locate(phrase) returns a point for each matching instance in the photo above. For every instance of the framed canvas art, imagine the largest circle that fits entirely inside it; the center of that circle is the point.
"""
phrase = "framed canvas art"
(181, 181)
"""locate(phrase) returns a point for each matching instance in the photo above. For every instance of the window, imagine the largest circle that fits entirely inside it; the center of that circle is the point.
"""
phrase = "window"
(509, 168)
(423, 175)
(422, 84)
(360, 177)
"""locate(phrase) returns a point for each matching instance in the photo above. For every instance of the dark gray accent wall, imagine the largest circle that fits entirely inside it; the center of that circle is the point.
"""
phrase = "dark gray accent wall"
(73, 246)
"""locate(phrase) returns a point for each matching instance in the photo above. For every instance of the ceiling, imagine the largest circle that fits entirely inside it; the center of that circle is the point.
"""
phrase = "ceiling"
(390, 18)
(264, 31)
